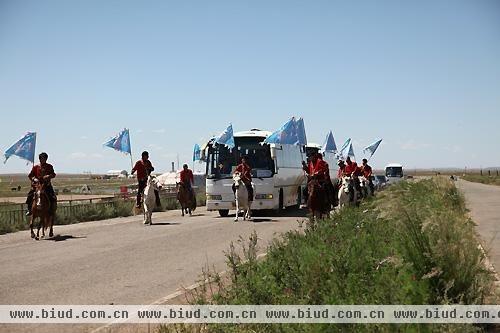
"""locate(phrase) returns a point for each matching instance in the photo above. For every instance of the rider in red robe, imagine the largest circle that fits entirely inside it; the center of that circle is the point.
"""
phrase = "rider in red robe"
(143, 167)
(43, 173)
(246, 176)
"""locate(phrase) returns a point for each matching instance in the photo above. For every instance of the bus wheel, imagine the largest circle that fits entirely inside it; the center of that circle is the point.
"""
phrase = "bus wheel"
(280, 201)
(223, 212)
(299, 197)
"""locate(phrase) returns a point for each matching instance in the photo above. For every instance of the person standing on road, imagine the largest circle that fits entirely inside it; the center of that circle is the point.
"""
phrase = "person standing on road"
(367, 173)
(42, 173)
(143, 167)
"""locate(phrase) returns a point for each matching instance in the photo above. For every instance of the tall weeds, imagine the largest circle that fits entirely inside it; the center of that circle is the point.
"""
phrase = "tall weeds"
(413, 244)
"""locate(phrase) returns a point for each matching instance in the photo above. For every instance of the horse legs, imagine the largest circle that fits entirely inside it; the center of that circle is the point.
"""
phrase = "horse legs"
(182, 209)
(51, 225)
(31, 227)
(237, 211)
(38, 229)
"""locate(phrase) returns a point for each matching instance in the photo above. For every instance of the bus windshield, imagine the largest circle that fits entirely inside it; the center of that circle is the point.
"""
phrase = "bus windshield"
(394, 172)
(221, 161)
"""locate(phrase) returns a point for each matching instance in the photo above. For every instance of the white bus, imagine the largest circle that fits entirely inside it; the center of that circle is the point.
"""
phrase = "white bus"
(394, 173)
(276, 172)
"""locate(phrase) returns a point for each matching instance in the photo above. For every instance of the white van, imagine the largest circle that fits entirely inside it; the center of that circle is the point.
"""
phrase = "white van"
(394, 173)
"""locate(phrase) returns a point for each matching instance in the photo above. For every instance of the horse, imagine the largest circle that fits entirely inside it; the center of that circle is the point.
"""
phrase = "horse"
(186, 200)
(344, 194)
(318, 202)
(44, 210)
(365, 186)
(149, 198)
(241, 194)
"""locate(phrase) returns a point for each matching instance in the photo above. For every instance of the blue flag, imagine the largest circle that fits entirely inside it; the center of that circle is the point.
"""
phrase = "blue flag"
(293, 132)
(350, 152)
(329, 145)
(372, 148)
(284, 135)
(23, 148)
(226, 138)
(196, 152)
(344, 150)
(301, 132)
(120, 142)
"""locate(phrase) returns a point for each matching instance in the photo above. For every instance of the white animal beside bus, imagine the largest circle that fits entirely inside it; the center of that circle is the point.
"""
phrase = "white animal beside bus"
(276, 172)
(394, 173)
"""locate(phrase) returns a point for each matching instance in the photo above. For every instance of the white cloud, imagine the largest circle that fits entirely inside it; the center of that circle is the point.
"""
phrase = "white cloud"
(84, 137)
(454, 149)
(77, 155)
(139, 131)
(154, 146)
(413, 145)
(160, 131)
(81, 155)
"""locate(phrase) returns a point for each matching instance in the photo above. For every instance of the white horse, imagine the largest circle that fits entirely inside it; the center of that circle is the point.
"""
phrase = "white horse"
(242, 202)
(365, 186)
(344, 191)
(149, 199)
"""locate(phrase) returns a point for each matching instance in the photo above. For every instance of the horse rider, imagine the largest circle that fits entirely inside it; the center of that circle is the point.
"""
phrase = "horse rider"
(367, 173)
(43, 173)
(144, 169)
(187, 179)
(246, 176)
(352, 170)
(319, 168)
(341, 171)
(340, 174)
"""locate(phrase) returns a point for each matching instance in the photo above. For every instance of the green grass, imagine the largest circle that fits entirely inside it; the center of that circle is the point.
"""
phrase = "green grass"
(413, 244)
(490, 180)
(70, 183)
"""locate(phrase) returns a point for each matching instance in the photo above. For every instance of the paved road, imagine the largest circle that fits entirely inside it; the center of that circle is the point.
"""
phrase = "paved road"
(122, 261)
(483, 201)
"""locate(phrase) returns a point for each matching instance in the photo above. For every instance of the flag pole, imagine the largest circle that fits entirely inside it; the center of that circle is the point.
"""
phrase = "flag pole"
(130, 145)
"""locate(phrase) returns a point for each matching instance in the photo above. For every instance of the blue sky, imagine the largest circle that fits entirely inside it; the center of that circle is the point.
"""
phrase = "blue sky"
(422, 75)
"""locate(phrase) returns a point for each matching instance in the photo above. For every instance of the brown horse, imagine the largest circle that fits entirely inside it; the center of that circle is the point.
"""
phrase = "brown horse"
(317, 202)
(44, 210)
(186, 200)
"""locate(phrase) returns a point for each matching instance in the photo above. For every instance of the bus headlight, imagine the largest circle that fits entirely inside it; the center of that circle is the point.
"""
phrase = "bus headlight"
(263, 196)
(214, 197)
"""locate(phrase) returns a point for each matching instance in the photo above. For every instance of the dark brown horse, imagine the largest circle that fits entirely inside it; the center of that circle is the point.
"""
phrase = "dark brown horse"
(317, 202)
(44, 210)
(186, 200)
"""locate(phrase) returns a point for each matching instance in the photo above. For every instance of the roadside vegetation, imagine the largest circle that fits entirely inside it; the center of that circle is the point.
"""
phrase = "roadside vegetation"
(489, 180)
(413, 244)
